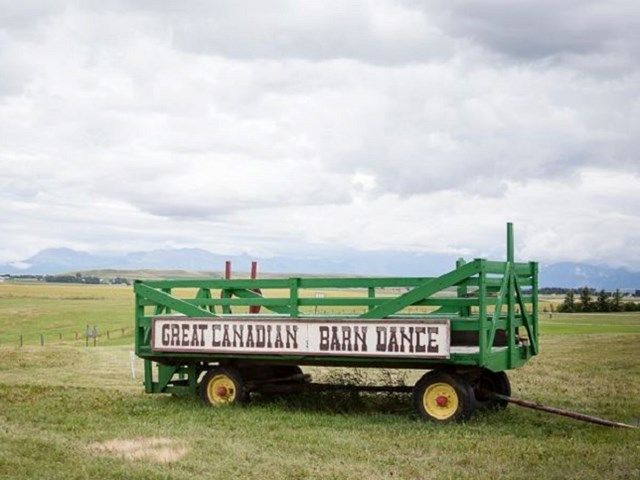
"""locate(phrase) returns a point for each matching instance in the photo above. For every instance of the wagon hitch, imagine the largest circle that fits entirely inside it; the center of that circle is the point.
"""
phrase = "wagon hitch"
(564, 413)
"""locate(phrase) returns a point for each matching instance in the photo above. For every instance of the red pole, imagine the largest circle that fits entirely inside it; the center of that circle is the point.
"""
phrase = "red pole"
(254, 275)
(227, 269)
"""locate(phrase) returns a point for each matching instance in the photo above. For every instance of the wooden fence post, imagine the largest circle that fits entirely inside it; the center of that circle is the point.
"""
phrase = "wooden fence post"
(41, 340)
(20, 340)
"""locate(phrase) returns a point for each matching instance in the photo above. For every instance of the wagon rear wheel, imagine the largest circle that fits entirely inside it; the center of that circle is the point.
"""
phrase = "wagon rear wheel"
(443, 397)
(223, 386)
(488, 383)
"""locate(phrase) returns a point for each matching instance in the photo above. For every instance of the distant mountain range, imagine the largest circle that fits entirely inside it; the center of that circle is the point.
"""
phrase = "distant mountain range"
(351, 262)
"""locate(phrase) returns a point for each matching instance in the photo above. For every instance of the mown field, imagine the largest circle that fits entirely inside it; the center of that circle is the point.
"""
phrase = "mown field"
(68, 411)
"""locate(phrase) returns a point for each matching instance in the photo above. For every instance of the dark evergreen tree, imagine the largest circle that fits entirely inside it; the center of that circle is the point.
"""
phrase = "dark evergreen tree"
(586, 305)
(569, 303)
(616, 305)
(602, 301)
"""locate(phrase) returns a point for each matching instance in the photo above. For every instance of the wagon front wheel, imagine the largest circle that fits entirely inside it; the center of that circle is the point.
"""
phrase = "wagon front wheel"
(443, 397)
(223, 386)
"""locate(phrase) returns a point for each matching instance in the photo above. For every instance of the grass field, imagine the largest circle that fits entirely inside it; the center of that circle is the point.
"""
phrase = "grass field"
(67, 411)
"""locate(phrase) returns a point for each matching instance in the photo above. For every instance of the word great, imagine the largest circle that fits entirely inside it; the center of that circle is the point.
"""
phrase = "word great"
(428, 338)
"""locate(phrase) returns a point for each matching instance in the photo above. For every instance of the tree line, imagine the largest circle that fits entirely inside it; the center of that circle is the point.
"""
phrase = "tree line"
(69, 278)
(603, 302)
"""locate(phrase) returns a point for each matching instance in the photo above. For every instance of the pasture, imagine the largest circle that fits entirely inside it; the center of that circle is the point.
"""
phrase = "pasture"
(70, 411)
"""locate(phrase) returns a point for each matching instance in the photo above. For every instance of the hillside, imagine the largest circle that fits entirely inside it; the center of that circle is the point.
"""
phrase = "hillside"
(193, 262)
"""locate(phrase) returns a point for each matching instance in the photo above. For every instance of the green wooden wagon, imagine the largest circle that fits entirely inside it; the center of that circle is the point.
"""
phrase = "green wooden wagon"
(467, 327)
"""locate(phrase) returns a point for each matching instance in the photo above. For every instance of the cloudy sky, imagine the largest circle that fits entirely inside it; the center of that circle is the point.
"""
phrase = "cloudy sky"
(302, 126)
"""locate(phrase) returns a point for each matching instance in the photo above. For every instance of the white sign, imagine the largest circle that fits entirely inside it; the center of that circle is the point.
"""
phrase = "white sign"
(422, 338)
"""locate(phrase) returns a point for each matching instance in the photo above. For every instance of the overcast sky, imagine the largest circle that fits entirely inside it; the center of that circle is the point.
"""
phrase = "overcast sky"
(279, 127)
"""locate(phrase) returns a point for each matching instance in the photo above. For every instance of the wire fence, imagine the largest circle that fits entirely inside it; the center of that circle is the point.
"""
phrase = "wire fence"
(91, 336)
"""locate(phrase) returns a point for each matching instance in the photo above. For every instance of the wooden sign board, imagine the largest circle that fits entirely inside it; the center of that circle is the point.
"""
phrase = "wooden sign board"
(416, 338)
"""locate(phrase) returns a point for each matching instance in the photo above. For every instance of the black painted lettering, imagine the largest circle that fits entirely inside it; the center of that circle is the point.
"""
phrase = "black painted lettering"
(250, 343)
(226, 341)
(408, 338)
(420, 348)
(432, 342)
(393, 340)
(292, 336)
(184, 340)
(361, 336)
(166, 338)
(269, 345)
(278, 341)
(175, 335)
(260, 336)
(324, 339)
(237, 336)
(346, 339)
(195, 339)
(381, 343)
(335, 341)
(214, 342)
(202, 327)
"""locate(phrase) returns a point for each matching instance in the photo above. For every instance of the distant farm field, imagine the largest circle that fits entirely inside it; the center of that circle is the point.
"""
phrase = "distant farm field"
(70, 411)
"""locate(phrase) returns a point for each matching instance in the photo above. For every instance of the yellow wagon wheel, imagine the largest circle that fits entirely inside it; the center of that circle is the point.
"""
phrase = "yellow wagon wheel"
(443, 397)
(223, 386)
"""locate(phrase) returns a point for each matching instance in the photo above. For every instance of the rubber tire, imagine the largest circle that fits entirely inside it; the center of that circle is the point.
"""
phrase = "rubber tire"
(242, 395)
(497, 382)
(466, 399)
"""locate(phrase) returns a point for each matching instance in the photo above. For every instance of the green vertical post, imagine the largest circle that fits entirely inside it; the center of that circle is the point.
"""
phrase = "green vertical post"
(193, 378)
(168, 292)
(371, 293)
(510, 252)
(511, 334)
(534, 300)
(226, 294)
(461, 292)
(138, 336)
(482, 315)
(293, 297)
(148, 376)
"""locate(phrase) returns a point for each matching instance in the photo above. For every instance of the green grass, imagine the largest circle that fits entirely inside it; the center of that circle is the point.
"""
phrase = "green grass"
(582, 323)
(57, 402)
(50, 309)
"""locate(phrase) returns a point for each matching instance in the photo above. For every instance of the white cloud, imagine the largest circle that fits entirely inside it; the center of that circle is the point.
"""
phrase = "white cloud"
(386, 126)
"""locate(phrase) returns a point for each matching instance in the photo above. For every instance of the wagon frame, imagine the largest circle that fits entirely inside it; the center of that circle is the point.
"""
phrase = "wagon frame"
(491, 308)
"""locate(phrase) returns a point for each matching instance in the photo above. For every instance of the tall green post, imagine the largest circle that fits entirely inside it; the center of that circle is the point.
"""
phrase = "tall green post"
(510, 242)
(511, 307)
